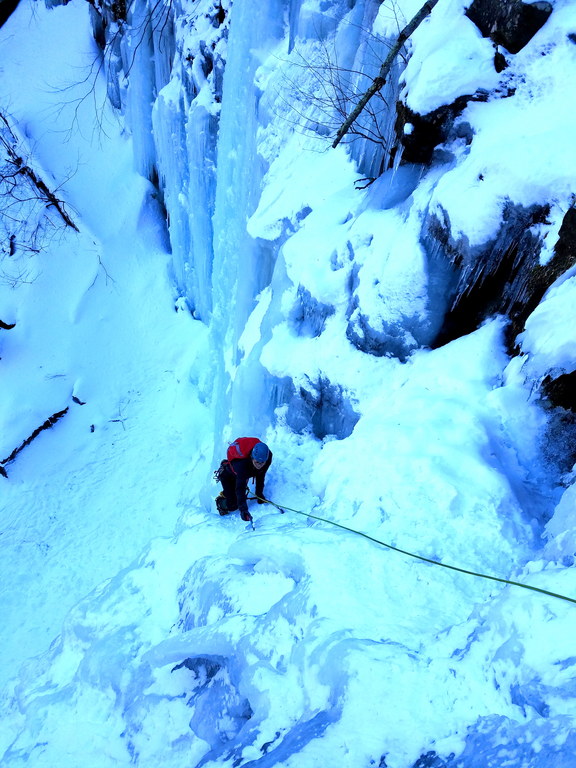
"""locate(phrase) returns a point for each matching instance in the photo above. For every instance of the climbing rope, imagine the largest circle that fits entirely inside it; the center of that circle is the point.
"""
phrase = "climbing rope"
(420, 557)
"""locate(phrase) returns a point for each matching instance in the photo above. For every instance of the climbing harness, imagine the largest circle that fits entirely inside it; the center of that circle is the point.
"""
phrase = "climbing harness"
(420, 557)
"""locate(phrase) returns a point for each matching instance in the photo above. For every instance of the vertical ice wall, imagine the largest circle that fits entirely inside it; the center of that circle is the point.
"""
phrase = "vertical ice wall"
(242, 265)
(361, 45)
(324, 51)
(164, 62)
(185, 125)
(241, 268)
(147, 56)
(197, 73)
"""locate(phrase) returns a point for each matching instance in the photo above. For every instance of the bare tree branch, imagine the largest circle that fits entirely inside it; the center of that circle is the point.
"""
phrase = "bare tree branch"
(380, 79)
(20, 167)
(50, 421)
(331, 89)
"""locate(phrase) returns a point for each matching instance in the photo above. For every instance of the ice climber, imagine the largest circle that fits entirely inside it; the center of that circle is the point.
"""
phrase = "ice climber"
(246, 457)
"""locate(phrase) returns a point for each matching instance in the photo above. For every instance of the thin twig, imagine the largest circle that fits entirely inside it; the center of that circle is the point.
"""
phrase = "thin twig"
(380, 80)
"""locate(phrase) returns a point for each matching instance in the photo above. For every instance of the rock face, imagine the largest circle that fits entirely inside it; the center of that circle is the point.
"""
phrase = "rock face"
(7, 7)
(561, 391)
(178, 67)
(428, 131)
(505, 276)
(510, 23)
(533, 284)
(321, 407)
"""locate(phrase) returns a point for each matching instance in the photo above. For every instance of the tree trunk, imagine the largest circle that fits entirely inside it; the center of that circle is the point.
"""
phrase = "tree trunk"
(380, 80)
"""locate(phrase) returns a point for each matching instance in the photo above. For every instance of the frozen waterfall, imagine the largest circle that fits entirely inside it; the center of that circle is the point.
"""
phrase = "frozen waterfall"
(356, 309)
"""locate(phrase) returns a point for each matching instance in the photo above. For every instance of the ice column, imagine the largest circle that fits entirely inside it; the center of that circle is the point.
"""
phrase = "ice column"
(139, 65)
(170, 139)
(241, 266)
(201, 131)
(186, 117)
(363, 52)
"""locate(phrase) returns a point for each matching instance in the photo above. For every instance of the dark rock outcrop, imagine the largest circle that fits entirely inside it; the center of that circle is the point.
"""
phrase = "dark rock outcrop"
(430, 130)
(531, 285)
(510, 23)
(322, 407)
(389, 340)
(308, 316)
(561, 391)
(7, 8)
(502, 277)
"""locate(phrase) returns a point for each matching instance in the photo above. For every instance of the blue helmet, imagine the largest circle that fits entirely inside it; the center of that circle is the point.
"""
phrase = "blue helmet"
(260, 453)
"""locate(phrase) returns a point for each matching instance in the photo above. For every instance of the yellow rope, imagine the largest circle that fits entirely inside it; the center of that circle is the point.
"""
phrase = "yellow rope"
(420, 557)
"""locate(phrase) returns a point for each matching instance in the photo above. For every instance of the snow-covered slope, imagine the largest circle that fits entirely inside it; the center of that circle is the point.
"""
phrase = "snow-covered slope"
(399, 344)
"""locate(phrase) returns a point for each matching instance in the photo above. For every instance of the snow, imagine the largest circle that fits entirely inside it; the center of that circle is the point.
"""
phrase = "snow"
(549, 336)
(81, 331)
(452, 60)
(520, 135)
(139, 627)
